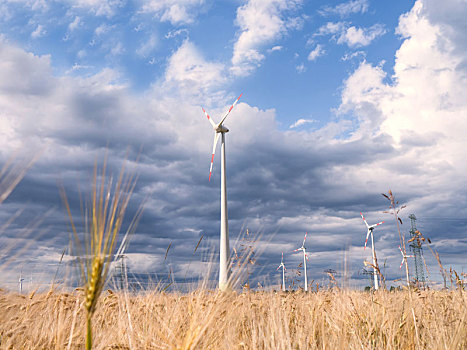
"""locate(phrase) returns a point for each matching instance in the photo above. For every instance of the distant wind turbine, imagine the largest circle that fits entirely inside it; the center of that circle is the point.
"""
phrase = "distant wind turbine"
(20, 281)
(220, 129)
(305, 258)
(283, 271)
(370, 231)
(404, 257)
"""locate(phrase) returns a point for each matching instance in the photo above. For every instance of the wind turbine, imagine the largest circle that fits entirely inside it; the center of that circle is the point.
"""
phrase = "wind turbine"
(404, 257)
(20, 281)
(283, 271)
(370, 231)
(220, 129)
(305, 258)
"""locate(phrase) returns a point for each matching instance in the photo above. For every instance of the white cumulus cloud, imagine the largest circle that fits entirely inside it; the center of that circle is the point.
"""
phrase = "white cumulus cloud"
(346, 8)
(260, 22)
(106, 8)
(332, 28)
(316, 52)
(190, 72)
(75, 24)
(38, 32)
(104, 28)
(352, 36)
(275, 48)
(357, 37)
(301, 122)
(300, 68)
(174, 11)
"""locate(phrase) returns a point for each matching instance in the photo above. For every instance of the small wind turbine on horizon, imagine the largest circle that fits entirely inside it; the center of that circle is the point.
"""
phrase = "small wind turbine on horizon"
(370, 232)
(283, 271)
(404, 258)
(20, 281)
(305, 258)
(224, 258)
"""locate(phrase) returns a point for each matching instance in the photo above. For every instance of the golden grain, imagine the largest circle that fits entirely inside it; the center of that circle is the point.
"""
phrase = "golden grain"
(249, 320)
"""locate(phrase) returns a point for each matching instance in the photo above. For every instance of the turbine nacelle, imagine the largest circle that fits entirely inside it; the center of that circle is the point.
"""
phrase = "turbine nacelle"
(221, 129)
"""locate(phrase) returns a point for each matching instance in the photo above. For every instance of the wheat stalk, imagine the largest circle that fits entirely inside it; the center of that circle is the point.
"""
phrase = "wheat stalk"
(103, 221)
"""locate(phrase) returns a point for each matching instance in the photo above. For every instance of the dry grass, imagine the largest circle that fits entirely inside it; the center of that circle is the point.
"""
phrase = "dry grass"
(213, 320)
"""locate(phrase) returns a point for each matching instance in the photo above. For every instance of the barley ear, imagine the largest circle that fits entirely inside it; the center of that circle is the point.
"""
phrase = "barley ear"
(94, 284)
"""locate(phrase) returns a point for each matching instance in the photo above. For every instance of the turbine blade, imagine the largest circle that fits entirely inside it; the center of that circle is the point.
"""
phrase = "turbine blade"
(366, 223)
(304, 239)
(296, 250)
(402, 263)
(216, 138)
(231, 107)
(306, 256)
(285, 268)
(209, 118)
(366, 240)
(402, 253)
(278, 267)
(379, 223)
(282, 259)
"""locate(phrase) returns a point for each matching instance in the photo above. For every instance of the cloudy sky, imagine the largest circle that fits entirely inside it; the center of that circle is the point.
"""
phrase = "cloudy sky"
(342, 101)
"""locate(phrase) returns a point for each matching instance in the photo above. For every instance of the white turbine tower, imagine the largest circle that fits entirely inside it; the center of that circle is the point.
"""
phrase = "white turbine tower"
(305, 258)
(370, 231)
(283, 271)
(220, 129)
(404, 257)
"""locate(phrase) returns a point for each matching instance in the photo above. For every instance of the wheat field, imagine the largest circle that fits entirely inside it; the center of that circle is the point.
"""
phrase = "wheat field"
(202, 319)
